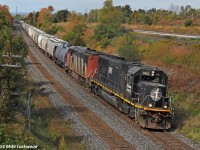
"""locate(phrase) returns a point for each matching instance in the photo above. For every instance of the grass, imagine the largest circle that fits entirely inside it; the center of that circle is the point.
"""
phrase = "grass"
(48, 129)
(194, 30)
(187, 115)
(49, 126)
(191, 128)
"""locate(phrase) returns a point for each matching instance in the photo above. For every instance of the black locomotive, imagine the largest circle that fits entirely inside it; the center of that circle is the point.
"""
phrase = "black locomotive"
(138, 90)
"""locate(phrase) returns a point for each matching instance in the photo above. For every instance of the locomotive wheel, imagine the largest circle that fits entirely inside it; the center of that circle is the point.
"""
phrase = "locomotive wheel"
(125, 108)
(96, 90)
(119, 101)
(69, 72)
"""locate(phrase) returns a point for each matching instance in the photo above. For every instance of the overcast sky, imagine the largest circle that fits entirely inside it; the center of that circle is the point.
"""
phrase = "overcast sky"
(86, 5)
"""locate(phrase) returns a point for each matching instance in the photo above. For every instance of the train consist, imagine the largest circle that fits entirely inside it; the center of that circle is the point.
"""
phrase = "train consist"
(138, 90)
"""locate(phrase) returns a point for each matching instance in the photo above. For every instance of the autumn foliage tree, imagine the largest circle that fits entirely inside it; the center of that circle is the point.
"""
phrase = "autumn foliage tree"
(30, 19)
(110, 24)
(10, 79)
(61, 16)
(128, 50)
(76, 27)
(5, 16)
(45, 18)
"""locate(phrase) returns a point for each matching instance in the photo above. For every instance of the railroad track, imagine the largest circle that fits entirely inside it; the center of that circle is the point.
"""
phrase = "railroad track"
(169, 141)
(100, 128)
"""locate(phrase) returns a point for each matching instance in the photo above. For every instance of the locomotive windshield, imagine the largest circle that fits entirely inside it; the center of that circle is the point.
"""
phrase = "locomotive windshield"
(150, 79)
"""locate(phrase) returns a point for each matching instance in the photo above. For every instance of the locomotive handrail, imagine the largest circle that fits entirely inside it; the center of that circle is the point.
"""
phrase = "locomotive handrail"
(114, 86)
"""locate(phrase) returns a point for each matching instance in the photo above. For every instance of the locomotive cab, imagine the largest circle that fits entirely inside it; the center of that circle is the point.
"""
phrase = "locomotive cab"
(147, 88)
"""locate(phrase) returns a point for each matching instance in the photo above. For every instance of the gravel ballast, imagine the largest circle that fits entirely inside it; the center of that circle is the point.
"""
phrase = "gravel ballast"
(88, 137)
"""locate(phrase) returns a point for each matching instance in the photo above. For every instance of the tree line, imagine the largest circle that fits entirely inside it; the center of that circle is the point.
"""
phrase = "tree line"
(125, 14)
(109, 22)
(12, 82)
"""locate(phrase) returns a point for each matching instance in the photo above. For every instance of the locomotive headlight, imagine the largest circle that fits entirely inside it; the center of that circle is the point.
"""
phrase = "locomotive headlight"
(165, 105)
(150, 105)
(153, 73)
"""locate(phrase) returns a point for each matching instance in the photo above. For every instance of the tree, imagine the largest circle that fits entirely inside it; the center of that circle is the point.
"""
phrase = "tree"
(45, 18)
(184, 11)
(36, 16)
(93, 15)
(108, 4)
(75, 18)
(148, 20)
(29, 19)
(5, 16)
(126, 12)
(11, 80)
(174, 8)
(61, 16)
(110, 24)
(127, 49)
(75, 37)
(54, 29)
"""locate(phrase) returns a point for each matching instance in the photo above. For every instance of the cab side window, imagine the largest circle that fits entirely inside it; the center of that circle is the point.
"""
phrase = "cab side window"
(136, 79)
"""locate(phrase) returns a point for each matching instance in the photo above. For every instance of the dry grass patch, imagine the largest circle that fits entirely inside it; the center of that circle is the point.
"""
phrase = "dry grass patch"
(48, 124)
(60, 127)
(41, 102)
(191, 128)
(194, 30)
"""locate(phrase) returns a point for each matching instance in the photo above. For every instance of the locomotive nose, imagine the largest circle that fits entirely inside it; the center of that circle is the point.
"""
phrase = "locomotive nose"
(153, 91)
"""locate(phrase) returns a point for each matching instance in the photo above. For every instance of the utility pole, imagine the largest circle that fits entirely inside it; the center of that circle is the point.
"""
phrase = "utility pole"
(16, 10)
(29, 110)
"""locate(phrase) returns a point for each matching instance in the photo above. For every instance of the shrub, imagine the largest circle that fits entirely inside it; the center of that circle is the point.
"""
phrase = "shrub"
(104, 33)
(75, 37)
(148, 20)
(53, 30)
(188, 23)
(62, 144)
(128, 49)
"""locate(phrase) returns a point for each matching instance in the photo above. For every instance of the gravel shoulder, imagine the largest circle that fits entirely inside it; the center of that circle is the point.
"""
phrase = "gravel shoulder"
(89, 138)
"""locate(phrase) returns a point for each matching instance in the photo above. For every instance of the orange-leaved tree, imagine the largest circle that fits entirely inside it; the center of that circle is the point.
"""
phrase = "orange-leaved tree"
(45, 18)
(6, 17)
